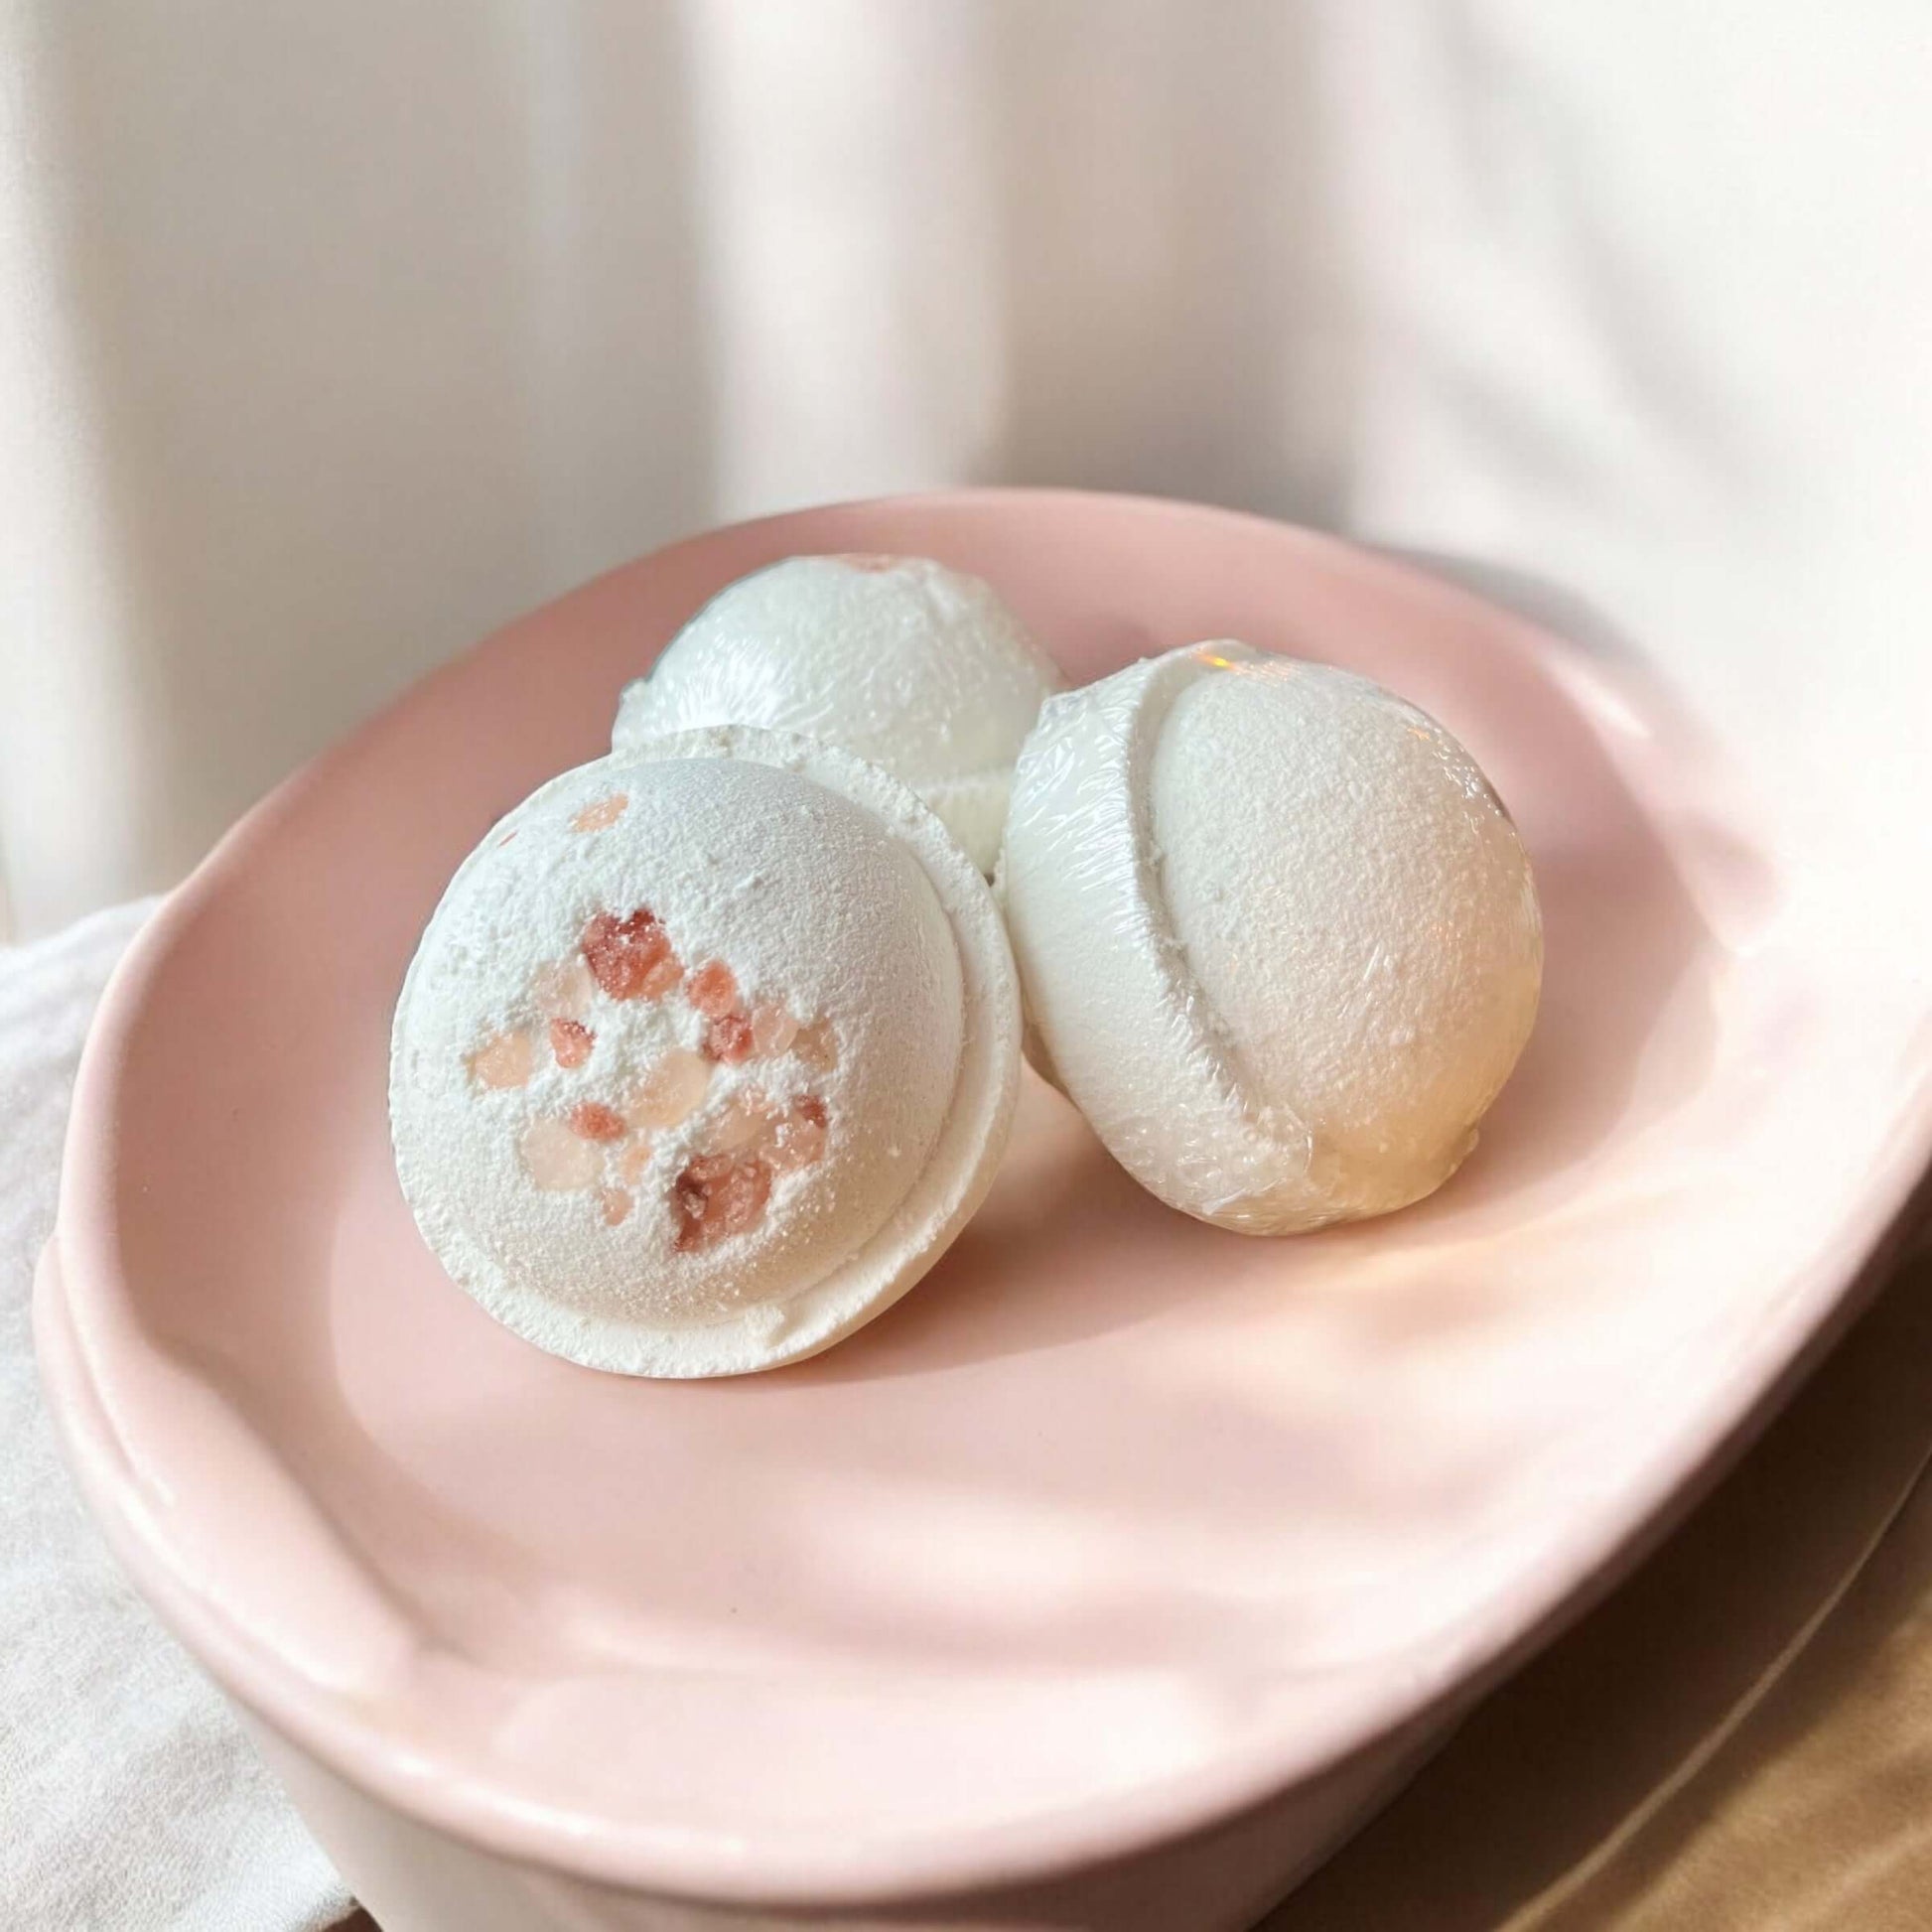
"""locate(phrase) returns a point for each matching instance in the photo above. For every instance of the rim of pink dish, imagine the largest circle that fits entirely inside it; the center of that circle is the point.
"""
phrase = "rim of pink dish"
(1118, 1526)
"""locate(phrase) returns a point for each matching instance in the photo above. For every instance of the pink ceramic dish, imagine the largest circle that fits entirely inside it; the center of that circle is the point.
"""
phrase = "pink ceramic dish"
(1105, 1579)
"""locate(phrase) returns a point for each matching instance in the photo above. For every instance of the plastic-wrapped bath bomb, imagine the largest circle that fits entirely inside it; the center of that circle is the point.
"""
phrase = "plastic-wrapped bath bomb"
(1275, 933)
(708, 1052)
(913, 666)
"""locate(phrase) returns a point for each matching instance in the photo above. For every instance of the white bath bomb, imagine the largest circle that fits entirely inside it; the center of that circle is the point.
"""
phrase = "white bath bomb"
(1277, 935)
(708, 1052)
(913, 666)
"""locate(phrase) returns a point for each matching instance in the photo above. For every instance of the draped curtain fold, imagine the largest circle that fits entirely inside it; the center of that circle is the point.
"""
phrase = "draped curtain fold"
(330, 336)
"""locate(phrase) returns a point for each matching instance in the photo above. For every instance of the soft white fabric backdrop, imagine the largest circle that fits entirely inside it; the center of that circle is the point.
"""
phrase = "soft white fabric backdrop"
(331, 336)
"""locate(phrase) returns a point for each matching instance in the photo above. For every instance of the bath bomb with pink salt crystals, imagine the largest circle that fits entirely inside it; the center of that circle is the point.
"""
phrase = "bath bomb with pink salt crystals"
(707, 1055)
(918, 668)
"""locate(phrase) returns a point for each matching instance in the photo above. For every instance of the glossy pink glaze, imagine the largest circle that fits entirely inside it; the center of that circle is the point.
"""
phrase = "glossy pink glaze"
(1118, 1523)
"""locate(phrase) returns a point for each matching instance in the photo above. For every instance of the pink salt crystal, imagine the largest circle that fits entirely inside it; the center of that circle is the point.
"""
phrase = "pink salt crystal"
(662, 978)
(625, 954)
(670, 1090)
(563, 989)
(798, 1139)
(817, 1046)
(743, 1119)
(716, 1196)
(556, 1158)
(729, 1039)
(713, 990)
(691, 1195)
(592, 1120)
(616, 1203)
(772, 1029)
(741, 1201)
(634, 1159)
(571, 1041)
(602, 815)
(503, 1060)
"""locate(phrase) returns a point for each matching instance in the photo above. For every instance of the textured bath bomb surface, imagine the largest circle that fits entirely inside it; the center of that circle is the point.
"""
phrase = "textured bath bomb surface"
(915, 667)
(707, 1054)
(1277, 935)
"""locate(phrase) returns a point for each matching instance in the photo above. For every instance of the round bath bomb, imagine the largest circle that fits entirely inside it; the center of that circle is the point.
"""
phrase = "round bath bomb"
(913, 666)
(1277, 935)
(707, 1055)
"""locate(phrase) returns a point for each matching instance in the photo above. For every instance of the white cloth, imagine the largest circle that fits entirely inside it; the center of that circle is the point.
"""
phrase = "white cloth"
(129, 1801)
(330, 336)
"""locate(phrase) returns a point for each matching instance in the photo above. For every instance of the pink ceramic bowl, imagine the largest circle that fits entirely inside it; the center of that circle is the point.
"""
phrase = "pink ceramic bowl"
(1108, 1577)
